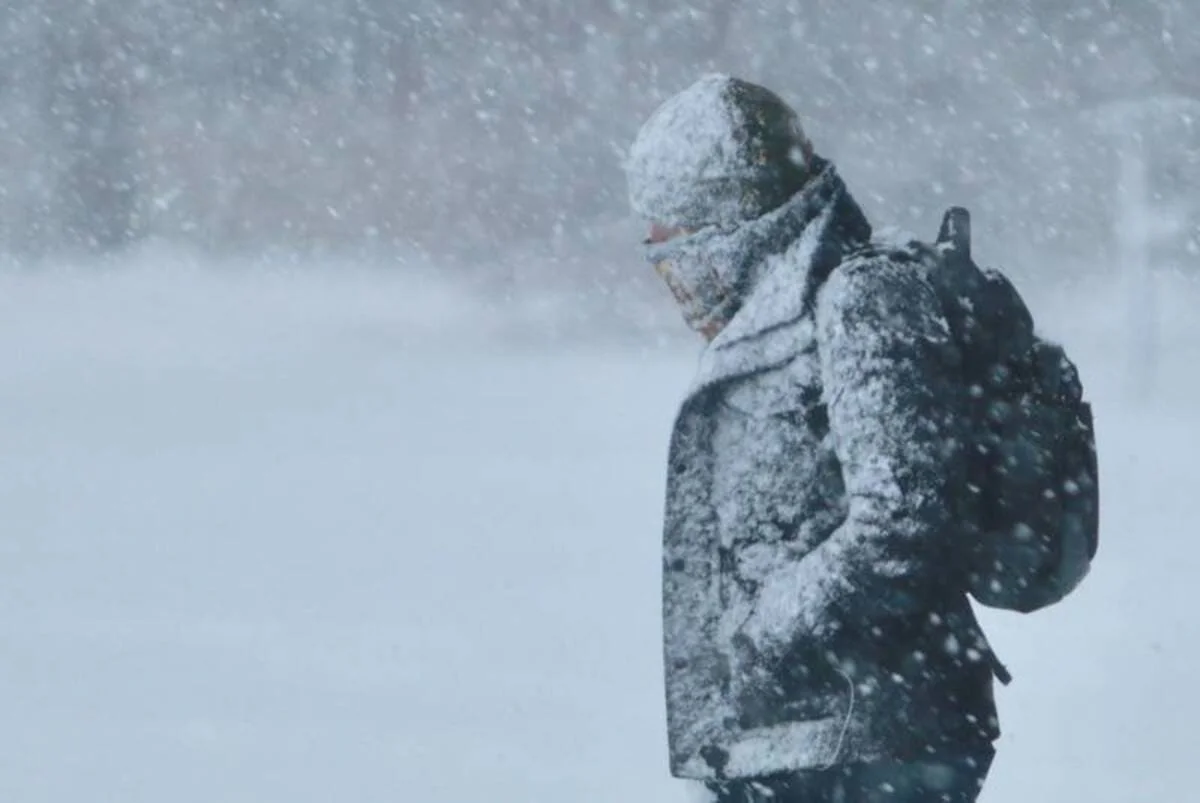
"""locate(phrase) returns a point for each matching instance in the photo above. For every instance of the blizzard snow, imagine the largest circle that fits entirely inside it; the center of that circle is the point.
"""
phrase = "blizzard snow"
(301, 536)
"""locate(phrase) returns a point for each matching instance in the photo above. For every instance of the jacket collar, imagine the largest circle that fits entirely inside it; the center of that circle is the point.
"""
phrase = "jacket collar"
(773, 324)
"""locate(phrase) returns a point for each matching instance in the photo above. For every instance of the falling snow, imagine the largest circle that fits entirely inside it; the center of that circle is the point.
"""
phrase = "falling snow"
(336, 391)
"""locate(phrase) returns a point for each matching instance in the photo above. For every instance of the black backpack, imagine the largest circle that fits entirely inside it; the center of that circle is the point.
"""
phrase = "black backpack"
(1031, 497)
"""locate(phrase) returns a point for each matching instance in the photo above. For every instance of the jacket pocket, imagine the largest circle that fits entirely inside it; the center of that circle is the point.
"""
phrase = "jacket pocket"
(801, 685)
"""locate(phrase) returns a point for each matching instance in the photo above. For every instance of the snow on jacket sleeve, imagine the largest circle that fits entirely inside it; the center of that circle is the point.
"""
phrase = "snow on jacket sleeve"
(887, 364)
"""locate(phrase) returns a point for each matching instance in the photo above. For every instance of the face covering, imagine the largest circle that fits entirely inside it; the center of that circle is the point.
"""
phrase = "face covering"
(692, 269)
(713, 270)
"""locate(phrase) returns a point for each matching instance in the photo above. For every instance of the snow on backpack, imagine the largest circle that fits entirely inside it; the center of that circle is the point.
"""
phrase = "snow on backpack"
(1031, 496)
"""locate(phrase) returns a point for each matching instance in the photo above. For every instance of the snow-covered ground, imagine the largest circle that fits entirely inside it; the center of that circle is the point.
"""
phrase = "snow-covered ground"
(283, 537)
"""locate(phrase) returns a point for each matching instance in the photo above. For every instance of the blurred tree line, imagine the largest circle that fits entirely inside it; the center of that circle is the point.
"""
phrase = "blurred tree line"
(456, 124)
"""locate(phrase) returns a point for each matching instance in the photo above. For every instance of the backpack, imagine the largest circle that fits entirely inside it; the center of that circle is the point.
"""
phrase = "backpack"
(1031, 497)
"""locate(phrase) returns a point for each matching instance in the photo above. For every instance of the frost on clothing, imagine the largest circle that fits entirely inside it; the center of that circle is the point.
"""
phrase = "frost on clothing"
(722, 151)
(811, 608)
(718, 267)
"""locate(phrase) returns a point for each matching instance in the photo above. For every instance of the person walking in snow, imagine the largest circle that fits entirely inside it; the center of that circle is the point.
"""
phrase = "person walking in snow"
(819, 644)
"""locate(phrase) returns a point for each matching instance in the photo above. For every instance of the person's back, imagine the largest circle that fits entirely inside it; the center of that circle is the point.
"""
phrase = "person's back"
(819, 644)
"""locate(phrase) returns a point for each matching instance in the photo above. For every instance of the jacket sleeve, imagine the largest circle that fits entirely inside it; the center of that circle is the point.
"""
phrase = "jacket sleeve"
(888, 368)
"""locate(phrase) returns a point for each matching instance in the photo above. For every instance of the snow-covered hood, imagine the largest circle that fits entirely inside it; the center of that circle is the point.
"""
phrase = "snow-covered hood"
(721, 151)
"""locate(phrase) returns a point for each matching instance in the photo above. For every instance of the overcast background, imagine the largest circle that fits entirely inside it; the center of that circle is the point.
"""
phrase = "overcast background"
(457, 125)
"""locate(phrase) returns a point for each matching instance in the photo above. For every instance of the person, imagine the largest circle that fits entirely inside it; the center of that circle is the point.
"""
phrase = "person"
(819, 645)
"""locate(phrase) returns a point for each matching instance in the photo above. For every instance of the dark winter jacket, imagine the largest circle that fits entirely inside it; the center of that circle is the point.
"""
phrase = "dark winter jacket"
(812, 611)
